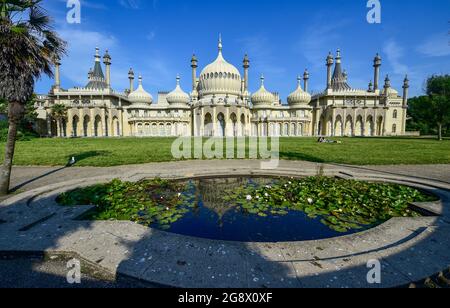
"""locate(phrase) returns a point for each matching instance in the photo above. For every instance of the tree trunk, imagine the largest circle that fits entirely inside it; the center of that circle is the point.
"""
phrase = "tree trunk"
(15, 113)
(440, 132)
(5, 174)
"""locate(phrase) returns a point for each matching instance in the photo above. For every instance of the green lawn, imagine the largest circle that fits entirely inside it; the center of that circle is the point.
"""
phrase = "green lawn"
(114, 152)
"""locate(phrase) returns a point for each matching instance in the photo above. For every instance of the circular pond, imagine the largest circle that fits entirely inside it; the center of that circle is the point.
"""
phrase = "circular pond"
(250, 209)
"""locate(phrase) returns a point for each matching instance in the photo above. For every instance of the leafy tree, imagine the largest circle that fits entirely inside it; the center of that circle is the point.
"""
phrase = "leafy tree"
(28, 48)
(59, 113)
(419, 115)
(438, 91)
(30, 113)
(431, 113)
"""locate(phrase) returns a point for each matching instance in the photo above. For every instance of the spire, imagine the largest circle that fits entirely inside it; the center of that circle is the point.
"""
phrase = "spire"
(97, 54)
(339, 79)
(338, 56)
(220, 43)
(97, 80)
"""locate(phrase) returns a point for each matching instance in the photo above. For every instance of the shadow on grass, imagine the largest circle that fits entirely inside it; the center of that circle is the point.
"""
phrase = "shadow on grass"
(301, 156)
(79, 157)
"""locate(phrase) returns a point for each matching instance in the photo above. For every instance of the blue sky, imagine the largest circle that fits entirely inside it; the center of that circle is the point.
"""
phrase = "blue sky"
(283, 37)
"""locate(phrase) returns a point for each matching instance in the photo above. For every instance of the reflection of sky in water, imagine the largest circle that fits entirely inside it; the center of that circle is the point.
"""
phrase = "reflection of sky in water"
(215, 219)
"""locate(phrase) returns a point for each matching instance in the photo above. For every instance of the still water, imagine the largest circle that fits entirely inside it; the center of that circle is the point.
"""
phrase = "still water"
(212, 218)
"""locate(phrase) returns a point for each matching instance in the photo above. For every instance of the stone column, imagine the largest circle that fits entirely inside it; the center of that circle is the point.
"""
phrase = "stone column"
(69, 126)
(214, 131)
(120, 123)
(92, 128)
(104, 123)
(49, 126)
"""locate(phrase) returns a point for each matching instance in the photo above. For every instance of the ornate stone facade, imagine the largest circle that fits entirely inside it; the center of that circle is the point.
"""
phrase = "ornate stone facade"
(221, 105)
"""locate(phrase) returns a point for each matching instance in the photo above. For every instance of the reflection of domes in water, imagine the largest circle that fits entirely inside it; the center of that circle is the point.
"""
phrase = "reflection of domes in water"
(212, 193)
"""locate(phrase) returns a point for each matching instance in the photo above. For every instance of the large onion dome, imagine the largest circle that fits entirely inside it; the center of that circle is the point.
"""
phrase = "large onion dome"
(220, 77)
(299, 97)
(140, 96)
(178, 96)
(262, 96)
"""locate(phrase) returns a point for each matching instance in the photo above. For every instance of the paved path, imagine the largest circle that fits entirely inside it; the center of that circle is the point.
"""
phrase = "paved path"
(409, 249)
(26, 178)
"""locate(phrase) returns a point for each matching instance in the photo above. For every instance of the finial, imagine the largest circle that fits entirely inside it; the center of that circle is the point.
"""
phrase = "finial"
(178, 79)
(97, 54)
(262, 80)
(140, 80)
(107, 58)
(338, 53)
(220, 42)
(330, 59)
(306, 74)
(299, 81)
(387, 82)
(406, 82)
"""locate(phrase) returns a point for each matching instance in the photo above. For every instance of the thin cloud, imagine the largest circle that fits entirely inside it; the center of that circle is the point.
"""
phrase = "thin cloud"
(130, 4)
(395, 55)
(437, 45)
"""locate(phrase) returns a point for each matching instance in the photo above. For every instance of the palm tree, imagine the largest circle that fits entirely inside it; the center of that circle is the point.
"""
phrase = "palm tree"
(28, 49)
(59, 113)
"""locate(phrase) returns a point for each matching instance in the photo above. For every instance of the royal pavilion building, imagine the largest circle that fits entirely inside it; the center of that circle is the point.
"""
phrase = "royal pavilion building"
(221, 104)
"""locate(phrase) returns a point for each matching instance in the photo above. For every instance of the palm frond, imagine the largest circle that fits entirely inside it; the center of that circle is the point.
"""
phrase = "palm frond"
(28, 48)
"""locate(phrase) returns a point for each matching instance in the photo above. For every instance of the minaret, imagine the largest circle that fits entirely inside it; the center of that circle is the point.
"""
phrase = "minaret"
(107, 62)
(194, 65)
(57, 74)
(376, 65)
(405, 91)
(246, 66)
(306, 80)
(131, 78)
(330, 62)
(370, 89)
(387, 85)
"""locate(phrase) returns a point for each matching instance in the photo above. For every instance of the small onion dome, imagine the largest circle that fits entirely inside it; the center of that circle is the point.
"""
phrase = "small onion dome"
(262, 96)
(299, 97)
(107, 57)
(178, 96)
(140, 96)
(388, 90)
(330, 59)
(377, 59)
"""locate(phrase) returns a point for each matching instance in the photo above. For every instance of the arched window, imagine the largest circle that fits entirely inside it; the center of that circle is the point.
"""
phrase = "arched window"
(394, 129)
(395, 116)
